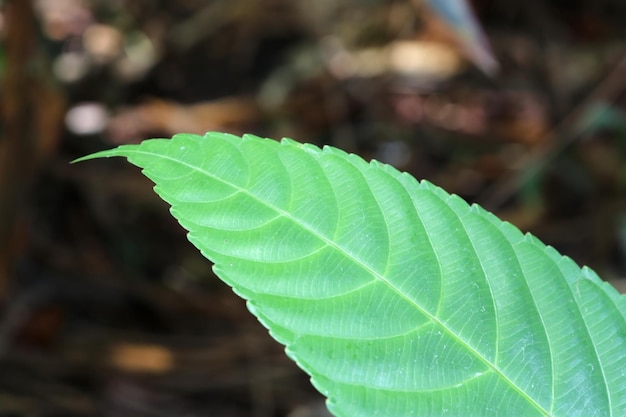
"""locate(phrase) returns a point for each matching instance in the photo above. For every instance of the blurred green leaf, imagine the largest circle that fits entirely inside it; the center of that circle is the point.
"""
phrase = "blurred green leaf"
(601, 115)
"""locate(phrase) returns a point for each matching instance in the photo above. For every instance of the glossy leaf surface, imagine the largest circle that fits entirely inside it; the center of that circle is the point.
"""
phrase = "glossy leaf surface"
(397, 298)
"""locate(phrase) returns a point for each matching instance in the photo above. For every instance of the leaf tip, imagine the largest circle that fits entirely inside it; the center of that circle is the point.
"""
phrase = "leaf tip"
(108, 153)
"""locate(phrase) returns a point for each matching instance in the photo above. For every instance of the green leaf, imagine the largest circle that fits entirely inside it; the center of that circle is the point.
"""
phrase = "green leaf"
(397, 298)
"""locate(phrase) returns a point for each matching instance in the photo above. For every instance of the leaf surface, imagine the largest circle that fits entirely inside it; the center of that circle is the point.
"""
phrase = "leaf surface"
(397, 298)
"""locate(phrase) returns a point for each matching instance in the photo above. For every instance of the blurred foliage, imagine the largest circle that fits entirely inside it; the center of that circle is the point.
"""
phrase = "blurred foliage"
(108, 311)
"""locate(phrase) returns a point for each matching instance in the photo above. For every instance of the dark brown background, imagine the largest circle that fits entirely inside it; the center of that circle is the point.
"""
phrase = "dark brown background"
(107, 310)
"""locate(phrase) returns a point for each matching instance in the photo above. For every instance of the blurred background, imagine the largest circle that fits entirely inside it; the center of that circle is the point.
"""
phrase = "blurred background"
(107, 310)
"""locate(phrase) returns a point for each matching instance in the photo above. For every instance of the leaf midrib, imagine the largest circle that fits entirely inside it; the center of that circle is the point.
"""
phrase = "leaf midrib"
(355, 259)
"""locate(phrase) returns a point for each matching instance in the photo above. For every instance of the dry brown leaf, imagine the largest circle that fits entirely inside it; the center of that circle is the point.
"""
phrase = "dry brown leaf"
(232, 114)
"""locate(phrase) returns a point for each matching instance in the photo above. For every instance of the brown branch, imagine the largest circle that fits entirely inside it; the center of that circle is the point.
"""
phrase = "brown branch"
(31, 110)
(561, 137)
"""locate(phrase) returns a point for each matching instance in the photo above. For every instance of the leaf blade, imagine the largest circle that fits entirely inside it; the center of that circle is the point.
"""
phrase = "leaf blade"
(339, 242)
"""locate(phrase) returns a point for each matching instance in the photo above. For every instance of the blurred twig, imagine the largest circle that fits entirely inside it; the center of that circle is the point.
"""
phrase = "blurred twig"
(558, 139)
